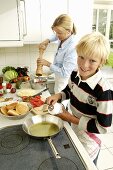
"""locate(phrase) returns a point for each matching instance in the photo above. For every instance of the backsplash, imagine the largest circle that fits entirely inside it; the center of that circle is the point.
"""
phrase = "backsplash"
(25, 56)
(28, 54)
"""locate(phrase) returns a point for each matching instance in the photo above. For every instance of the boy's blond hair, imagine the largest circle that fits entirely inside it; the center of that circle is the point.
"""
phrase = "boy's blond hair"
(64, 21)
(94, 45)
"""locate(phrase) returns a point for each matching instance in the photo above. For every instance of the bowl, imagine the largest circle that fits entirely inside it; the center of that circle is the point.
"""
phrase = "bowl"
(38, 83)
(15, 110)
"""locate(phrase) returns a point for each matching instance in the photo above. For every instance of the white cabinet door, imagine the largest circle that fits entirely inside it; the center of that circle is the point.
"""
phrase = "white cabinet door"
(82, 13)
(40, 14)
(51, 9)
(32, 8)
(10, 21)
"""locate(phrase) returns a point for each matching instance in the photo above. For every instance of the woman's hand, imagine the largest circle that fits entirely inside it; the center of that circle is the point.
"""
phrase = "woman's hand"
(53, 99)
(43, 62)
(44, 44)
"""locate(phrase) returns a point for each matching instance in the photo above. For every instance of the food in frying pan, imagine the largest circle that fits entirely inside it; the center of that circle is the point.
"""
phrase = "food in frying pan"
(43, 129)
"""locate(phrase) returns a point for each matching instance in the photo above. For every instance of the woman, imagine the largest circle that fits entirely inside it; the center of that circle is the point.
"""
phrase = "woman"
(65, 57)
(91, 97)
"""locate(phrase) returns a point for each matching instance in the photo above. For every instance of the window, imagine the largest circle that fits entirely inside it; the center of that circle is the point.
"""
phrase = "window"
(103, 21)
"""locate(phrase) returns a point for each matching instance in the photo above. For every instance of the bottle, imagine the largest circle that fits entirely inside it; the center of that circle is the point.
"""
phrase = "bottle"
(1, 79)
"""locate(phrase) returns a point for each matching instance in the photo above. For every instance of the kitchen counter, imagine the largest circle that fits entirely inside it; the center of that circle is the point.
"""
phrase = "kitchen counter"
(76, 143)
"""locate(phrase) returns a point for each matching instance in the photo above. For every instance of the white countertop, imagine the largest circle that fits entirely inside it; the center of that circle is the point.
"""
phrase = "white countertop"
(4, 122)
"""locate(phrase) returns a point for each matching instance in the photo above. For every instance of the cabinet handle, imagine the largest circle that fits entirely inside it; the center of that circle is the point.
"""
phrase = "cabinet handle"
(22, 2)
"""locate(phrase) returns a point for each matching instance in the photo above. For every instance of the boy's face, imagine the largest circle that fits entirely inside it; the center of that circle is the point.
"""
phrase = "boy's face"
(88, 66)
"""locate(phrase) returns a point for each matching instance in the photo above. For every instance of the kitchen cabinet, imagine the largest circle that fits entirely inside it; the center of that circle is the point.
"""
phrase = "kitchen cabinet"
(50, 10)
(103, 20)
(82, 13)
(33, 21)
(40, 15)
(11, 24)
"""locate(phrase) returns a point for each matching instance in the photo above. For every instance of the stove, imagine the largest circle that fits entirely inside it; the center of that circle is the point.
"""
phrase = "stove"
(19, 151)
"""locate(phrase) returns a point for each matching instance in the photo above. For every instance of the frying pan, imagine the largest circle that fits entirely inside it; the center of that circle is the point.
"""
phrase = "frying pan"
(44, 126)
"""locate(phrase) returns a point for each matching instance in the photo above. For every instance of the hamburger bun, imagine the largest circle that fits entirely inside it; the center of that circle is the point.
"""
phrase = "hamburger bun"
(12, 112)
(4, 110)
(22, 108)
(11, 106)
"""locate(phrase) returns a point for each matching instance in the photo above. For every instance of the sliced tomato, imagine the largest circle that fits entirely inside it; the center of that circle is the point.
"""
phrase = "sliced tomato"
(37, 103)
(37, 97)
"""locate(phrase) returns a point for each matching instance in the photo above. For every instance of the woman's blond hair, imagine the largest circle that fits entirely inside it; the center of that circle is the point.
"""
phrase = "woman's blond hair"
(65, 21)
(94, 45)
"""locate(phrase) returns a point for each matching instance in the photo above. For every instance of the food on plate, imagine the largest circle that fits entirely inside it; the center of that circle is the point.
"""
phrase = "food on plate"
(36, 101)
(15, 109)
(12, 112)
(4, 110)
(11, 106)
(26, 92)
(41, 110)
(21, 109)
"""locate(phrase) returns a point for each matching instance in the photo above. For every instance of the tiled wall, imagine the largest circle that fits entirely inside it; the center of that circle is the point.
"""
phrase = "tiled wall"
(25, 56)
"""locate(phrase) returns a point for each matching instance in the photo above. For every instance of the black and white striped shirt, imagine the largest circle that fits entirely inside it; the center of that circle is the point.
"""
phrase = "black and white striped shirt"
(91, 101)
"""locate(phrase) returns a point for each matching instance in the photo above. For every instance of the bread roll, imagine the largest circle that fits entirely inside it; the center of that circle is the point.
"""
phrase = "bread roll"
(11, 106)
(21, 108)
(4, 110)
(12, 112)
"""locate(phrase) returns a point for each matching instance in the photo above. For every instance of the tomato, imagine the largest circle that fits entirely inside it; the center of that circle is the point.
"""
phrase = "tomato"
(37, 97)
(13, 90)
(8, 85)
(36, 101)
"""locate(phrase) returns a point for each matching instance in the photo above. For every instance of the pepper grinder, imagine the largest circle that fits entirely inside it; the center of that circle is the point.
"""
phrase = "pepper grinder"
(39, 69)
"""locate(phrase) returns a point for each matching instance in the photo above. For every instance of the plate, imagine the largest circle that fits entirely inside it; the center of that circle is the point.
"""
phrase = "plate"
(26, 92)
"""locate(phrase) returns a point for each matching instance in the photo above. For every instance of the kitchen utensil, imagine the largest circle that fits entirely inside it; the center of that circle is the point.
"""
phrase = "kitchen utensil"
(50, 107)
(39, 69)
(44, 126)
(38, 83)
(55, 109)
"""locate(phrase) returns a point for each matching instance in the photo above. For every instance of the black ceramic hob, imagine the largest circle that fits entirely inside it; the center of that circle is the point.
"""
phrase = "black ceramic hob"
(18, 151)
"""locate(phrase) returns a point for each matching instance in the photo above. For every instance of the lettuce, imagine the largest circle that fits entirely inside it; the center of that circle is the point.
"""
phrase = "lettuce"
(9, 75)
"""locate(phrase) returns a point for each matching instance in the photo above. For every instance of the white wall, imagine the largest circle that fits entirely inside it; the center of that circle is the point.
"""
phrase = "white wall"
(24, 56)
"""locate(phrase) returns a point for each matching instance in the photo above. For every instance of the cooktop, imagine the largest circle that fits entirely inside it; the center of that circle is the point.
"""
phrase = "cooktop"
(19, 151)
